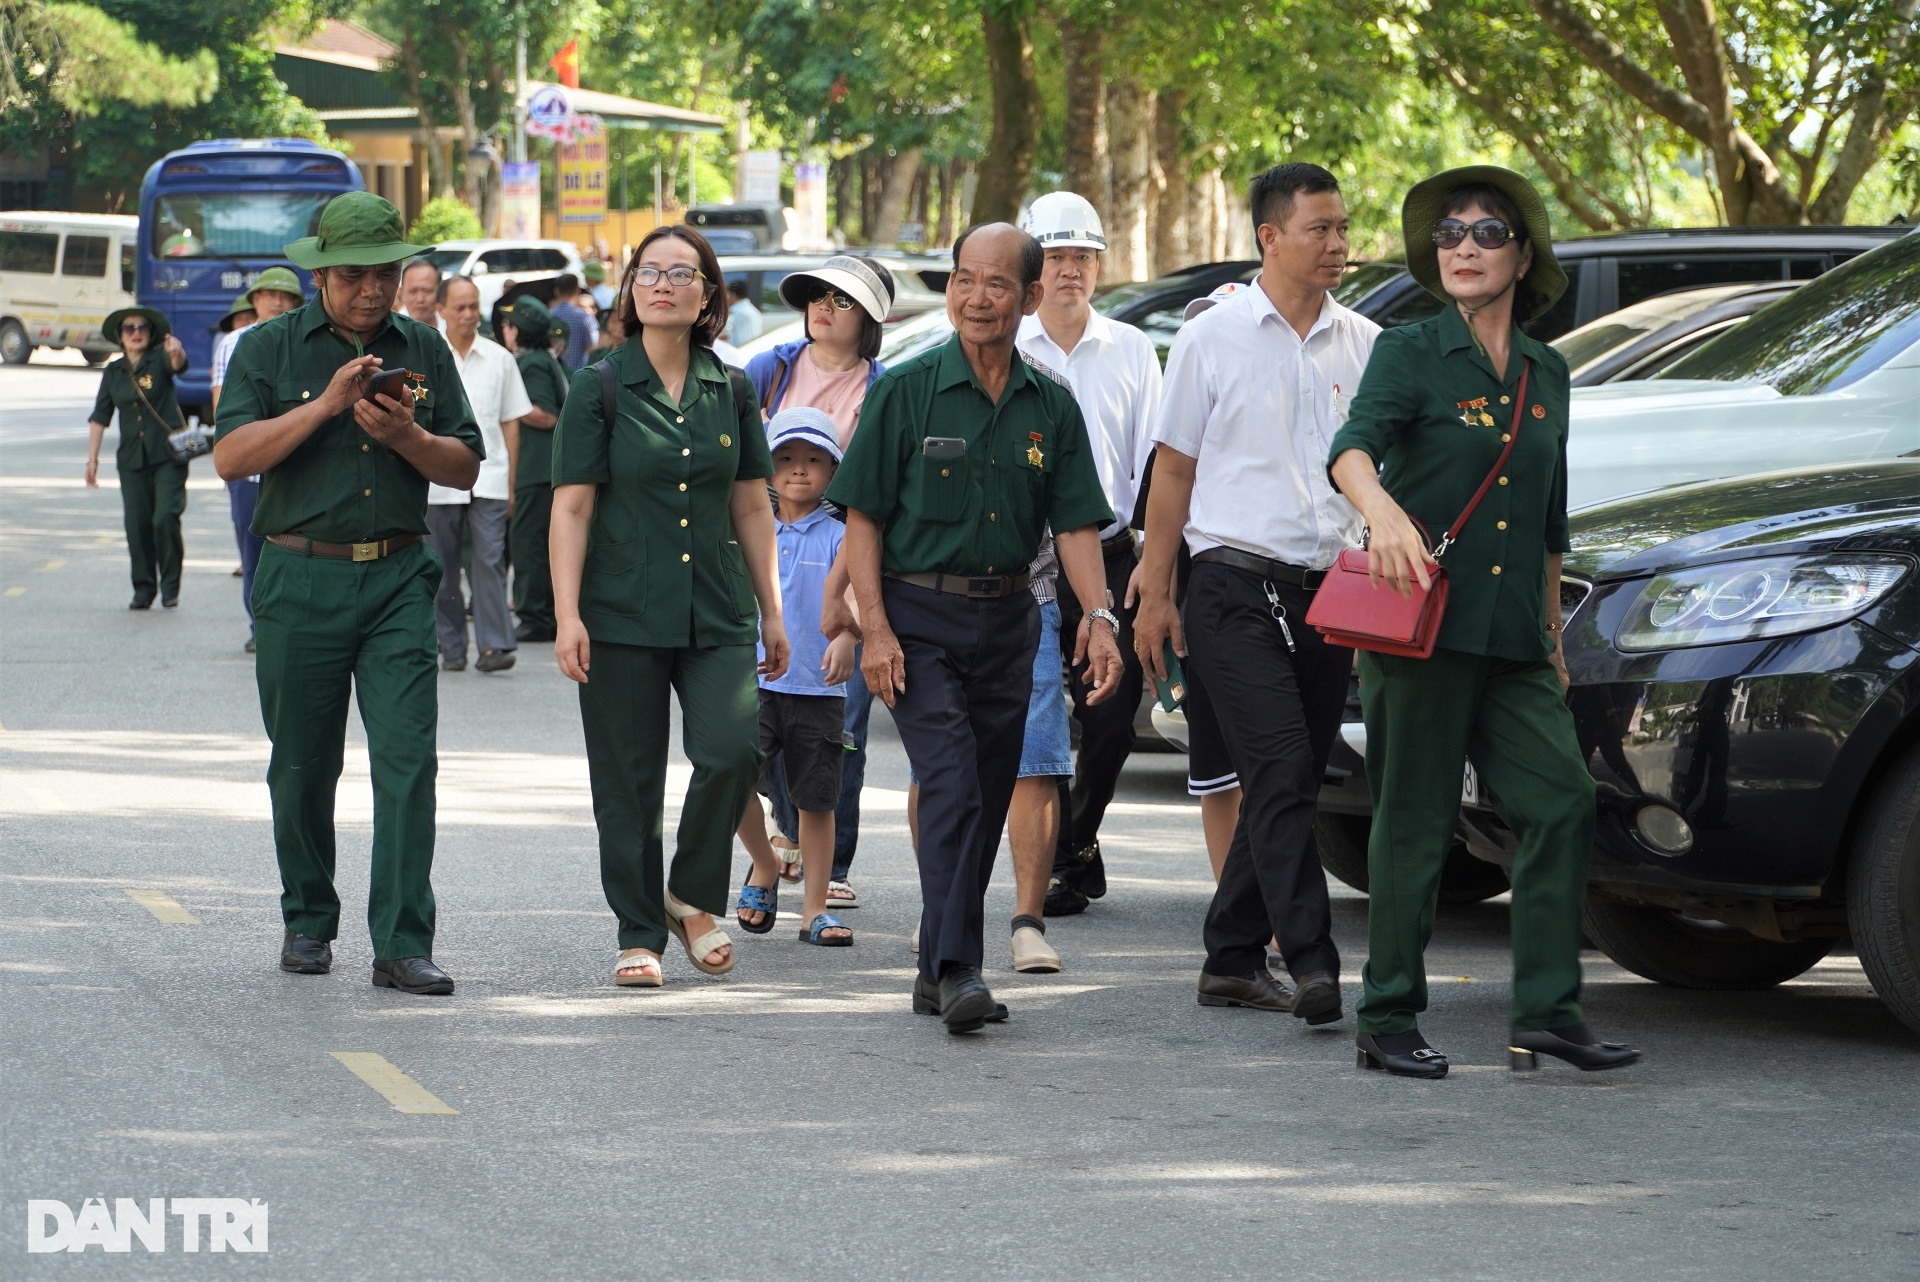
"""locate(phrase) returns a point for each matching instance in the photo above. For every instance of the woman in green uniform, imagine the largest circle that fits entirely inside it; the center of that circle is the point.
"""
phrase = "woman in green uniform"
(153, 488)
(1439, 403)
(662, 547)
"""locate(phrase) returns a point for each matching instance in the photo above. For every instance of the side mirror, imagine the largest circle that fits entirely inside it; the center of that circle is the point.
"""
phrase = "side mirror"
(479, 269)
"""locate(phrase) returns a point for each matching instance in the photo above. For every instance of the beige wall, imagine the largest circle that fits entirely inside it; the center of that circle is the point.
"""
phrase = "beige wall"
(617, 240)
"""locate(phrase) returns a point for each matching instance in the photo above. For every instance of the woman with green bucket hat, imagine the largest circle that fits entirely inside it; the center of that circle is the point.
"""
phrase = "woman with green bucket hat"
(1467, 402)
(153, 487)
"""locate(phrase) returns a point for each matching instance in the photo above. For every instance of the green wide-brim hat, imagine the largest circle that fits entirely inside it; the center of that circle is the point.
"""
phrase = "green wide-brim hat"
(112, 328)
(242, 303)
(281, 280)
(358, 229)
(530, 316)
(1422, 210)
(593, 271)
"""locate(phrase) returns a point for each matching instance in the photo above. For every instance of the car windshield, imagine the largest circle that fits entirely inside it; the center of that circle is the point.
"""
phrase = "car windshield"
(1583, 346)
(449, 260)
(255, 224)
(1363, 279)
(1828, 333)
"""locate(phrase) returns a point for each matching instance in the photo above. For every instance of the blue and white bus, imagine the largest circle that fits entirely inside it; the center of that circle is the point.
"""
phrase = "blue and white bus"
(213, 216)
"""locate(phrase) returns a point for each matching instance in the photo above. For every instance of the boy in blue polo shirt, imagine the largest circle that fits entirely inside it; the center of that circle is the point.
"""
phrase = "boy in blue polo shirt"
(802, 714)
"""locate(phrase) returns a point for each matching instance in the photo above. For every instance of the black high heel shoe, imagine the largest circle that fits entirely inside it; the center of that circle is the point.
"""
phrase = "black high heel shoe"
(1401, 1054)
(1576, 1044)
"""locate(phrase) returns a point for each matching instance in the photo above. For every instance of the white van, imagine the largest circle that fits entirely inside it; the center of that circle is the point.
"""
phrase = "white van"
(60, 277)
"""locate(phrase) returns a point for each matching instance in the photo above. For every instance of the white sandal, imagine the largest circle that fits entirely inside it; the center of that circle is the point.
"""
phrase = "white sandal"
(647, 966)
(790, 868)
(840, 894)
(697, 949)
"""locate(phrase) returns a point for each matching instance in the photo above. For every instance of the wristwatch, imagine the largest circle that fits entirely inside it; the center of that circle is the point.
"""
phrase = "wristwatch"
(1106, 617)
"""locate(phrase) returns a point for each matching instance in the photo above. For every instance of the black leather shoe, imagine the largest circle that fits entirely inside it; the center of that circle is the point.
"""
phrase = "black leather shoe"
(1577, 1044)
(926, 1001)
(412, 975)
(1093, 872)
(140, 603)
(300, 955)
(1258, 991)
(965, 1003)
(453, 665)
(1063, 900)
(527, 633)
(494, 660)
(1316, 999)
(1402, 1054)
(170, 602)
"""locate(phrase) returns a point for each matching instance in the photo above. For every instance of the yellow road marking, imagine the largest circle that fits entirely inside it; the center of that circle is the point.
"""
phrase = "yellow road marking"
(401, 1091)
(58, 563)
(16, 591)
(164, 907)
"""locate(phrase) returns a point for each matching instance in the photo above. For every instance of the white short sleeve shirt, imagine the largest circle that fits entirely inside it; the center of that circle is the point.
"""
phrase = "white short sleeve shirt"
(1257, 406)
(1115, 376)
(491, 378)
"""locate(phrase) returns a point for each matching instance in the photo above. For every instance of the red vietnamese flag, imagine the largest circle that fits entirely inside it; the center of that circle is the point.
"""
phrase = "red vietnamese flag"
(566, 64)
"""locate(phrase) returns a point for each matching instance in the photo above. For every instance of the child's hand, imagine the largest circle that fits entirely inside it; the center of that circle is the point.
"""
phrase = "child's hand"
(838, 665)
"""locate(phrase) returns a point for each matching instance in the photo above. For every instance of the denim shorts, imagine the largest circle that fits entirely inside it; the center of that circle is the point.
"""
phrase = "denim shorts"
(1048, 750)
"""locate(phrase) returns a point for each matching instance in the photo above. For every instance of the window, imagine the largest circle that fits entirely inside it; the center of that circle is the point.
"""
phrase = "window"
(1565, 312)
(1413, 304)
(234, 224)
(84, 256)
(1160, 326)
(550, 260)
(28, 251)
(1644, 277)
(1805, 268)
(129, 266)
(450, 260)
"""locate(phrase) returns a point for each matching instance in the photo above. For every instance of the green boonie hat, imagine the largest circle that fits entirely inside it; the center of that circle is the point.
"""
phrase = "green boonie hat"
(358, 229)
(593, 272)
(112, 328)
(280, 279)
(530, 316)
(558, 330)
(1422, 210)
(242, 303)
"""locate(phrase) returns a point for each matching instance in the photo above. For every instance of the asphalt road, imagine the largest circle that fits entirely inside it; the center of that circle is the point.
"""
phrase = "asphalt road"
(794, 1119)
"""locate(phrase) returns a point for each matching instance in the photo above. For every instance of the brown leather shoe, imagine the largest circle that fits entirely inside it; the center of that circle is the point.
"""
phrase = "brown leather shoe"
(1258, 991)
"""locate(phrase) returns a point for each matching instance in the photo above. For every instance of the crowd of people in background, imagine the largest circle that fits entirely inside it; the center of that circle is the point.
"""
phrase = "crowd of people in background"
(1018, 528)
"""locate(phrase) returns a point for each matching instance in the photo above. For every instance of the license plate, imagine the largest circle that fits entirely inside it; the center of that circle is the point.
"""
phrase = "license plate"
(1470, 787)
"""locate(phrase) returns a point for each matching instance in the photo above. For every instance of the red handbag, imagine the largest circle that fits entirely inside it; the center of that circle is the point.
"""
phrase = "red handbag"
(1349, 610)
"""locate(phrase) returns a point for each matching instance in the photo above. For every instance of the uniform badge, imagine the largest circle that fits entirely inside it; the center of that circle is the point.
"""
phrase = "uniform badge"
(1034, 457)
(146, 382)
(419, 382)
(726, 442)
(1474, 412)
(1539, 411)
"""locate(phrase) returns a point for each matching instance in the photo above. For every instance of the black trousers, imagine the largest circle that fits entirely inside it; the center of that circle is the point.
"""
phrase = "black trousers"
(962, 720)
(1106, 729)
(1279, 711)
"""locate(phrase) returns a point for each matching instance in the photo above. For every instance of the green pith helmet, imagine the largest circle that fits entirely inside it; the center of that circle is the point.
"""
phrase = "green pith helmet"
(160, 327)
(530, 316)
(242, 303)
(1422, 210)
(358, 229)
(594, 272)
(280, 279)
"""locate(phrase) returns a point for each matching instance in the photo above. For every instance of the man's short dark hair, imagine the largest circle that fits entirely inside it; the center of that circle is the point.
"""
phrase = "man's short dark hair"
(566, 285)
(1033, 259)
(1271, 198)
(420, 261)
(440, 294)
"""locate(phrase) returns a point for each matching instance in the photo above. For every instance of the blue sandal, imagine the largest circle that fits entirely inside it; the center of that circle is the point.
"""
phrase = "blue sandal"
(815, 932)
(761, 899)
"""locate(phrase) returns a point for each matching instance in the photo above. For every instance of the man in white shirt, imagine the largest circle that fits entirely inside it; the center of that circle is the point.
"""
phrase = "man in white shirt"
(1255, 389)
(491, 379)
(1115, 376)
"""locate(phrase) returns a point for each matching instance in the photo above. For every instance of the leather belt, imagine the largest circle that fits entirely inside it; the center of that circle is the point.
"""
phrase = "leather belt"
(1118, 545)
(371, 551)
(1265, 567)
(992, 585)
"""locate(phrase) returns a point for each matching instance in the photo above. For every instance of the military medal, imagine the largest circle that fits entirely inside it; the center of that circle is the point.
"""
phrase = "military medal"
(1474, 412)
(1539, 411)
(146, 382)
(1034, 457)
(419, 382)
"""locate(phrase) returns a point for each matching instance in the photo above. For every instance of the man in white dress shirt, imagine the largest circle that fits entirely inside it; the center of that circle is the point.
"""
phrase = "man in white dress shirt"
(491, 379)
(1115, 376)
(1255, 389)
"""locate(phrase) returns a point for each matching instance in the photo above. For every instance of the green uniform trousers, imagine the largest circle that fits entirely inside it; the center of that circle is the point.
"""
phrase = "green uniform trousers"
(325, 628)
(623, 707)
(527, 549)
(1424, 716)
(153, 499)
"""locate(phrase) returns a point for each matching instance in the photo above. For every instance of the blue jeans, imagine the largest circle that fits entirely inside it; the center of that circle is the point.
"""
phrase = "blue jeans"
(242, 496)
(853, 775)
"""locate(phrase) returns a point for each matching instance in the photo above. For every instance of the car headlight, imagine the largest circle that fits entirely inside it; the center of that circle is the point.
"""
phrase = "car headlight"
(1747, 600)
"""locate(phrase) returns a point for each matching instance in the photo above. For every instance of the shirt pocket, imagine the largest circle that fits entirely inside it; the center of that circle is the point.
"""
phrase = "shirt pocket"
(943, 484)
(739, 586)
(615, 581)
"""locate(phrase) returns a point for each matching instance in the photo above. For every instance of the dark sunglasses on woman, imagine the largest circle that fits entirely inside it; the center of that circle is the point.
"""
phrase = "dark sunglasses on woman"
(1488, 233)
(841, 303)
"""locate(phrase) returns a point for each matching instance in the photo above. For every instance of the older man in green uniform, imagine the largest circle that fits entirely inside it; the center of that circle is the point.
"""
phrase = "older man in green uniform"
(343, 599)
(962, 459)
(524, 325)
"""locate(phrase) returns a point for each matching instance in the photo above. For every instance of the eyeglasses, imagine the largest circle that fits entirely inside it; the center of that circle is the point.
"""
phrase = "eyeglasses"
(841, 303)
(1488, 233)
(136, 327)
(678, 277)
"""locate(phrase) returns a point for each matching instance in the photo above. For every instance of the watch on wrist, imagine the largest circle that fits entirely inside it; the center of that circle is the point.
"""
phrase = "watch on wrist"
(1107, 617)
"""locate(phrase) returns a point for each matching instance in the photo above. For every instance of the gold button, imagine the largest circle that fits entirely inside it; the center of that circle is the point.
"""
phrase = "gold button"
(993, 516)
(1496, 569)
(726, 442)
(365, 448)
(683, 523)
(1503, 400)
(1505, 437)
(680, 419)
(305, 395)
(686, 557)
(684, 453)
(683, 484)
(1503, 481)
(367, 493)
(945, 472)
(1501, 524)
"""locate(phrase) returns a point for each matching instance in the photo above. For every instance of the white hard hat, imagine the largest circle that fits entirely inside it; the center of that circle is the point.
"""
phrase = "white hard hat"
(1060, 219)
(1220, 293)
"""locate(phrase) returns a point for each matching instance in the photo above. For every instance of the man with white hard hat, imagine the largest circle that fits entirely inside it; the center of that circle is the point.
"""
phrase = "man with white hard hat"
(1115, 376)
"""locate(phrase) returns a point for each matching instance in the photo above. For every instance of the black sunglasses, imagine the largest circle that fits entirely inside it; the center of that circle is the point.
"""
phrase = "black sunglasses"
(1488, 233)
(841, 303)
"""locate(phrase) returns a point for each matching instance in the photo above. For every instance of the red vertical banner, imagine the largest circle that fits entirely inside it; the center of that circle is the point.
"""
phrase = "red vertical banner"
(566, 64)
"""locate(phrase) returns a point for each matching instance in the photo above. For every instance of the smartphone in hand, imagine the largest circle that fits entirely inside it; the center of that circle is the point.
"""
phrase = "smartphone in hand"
(1171, 692)
(391, 383)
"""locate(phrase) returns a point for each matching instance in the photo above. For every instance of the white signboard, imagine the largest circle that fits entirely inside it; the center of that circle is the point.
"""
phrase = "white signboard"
(760, 178)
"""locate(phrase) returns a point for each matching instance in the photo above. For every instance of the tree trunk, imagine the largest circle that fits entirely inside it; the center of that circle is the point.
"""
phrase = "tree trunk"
(840, 176)
(943, 228)
(473, 175)
(1008, 167)
(1199, 194)
(1172, 209)
(1131, 120)
(1087, 159)
(921, 199)
(897, 175)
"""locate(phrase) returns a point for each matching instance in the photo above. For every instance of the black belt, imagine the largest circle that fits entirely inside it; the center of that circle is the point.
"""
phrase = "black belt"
(1265, 567)
(1117, 545)
(369, 551)
(992, 585)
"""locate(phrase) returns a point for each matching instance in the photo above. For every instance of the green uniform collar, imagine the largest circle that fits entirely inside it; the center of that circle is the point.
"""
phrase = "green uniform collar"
(956, 369)
(636, 368)
(1455, 336)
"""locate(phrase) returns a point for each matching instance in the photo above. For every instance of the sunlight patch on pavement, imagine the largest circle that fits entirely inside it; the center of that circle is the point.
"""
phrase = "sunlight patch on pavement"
(16, 591)
(79, 483)
(401, 1091)
(164, 907)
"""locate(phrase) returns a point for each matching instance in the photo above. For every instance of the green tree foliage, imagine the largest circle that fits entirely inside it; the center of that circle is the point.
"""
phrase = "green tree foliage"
(445, 218)
(72, 59)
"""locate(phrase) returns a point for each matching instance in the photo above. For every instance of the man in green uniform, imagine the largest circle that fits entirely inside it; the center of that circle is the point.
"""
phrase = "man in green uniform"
(343, 599)
(153, 486)
(963, 457)
(523, 327)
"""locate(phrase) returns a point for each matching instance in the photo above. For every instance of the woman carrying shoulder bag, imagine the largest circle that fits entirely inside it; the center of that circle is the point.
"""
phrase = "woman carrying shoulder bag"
(1461, 404)
(153, 484)
(663, 547)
